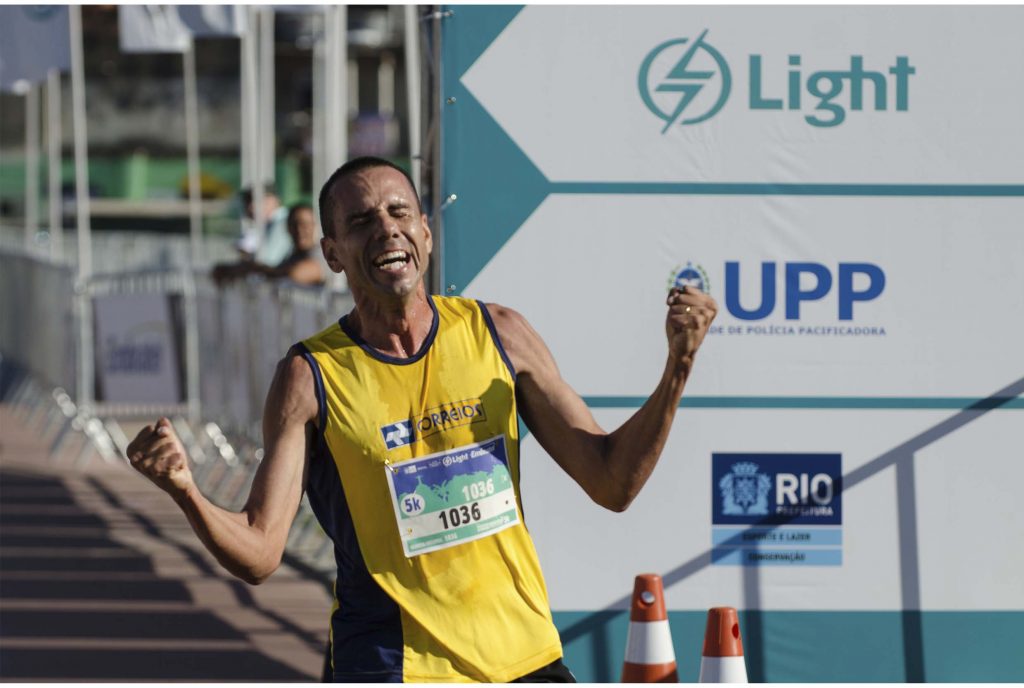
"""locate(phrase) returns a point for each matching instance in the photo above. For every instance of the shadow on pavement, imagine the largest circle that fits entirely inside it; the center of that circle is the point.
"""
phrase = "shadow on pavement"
(76, 604)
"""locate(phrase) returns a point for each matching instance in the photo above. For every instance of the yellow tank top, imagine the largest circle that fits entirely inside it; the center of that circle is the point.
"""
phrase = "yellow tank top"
(416, 480)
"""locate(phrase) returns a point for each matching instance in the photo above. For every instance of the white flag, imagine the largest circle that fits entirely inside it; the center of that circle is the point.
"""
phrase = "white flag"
(213, 20)
(152, 29)
(33, 40)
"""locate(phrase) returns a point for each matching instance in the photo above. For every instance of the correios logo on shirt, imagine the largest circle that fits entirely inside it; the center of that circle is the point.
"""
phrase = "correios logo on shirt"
(398, 434)
(441, 418)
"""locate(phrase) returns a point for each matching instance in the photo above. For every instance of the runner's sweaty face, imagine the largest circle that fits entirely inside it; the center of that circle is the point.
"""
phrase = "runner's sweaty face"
(379, 240)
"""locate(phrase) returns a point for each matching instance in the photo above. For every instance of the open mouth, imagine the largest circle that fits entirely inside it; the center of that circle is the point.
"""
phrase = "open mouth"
(391, 261)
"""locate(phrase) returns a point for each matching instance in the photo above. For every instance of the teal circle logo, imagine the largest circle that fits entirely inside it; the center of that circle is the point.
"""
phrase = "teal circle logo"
(679, 78)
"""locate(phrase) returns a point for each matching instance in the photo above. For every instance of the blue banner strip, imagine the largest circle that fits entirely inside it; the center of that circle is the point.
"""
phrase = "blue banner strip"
(776, 537)
(742, 556)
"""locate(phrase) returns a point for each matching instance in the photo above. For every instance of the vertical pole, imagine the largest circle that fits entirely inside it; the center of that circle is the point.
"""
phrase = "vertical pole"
(336, 88)
(319, 168)
(436, 192)
(53, 141)
(195, 207)
(192, 361)
(250, 104)
(412, 87)
(386, 84)
(85, 349)
(320, 171)
(336, 95)
(267, 101)
(247, 84)
(31, 165)
(352, 86)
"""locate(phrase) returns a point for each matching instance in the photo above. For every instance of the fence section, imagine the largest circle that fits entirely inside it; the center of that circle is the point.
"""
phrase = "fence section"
(165, 342)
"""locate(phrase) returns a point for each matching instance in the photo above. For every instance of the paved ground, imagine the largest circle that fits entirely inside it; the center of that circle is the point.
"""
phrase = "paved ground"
(101, 579)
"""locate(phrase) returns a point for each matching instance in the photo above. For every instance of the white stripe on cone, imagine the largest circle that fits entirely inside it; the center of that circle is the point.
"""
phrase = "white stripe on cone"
(722, 670)
(649, 642)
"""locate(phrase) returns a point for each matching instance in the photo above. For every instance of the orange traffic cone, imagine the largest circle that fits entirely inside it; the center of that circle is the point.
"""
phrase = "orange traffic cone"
(722, 660)
(650, 657)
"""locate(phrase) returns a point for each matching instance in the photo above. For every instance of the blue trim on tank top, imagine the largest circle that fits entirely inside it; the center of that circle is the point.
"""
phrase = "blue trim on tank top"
(367, 640)
(366, 616)
(384, 358)
(321, 395)
(497, 340)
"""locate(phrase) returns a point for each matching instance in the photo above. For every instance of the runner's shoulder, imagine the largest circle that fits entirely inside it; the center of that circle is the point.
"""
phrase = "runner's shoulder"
(293, 389)
(521, 342)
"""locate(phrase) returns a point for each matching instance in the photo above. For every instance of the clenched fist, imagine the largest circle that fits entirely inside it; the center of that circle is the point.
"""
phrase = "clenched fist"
(690, 313)
(156, 452)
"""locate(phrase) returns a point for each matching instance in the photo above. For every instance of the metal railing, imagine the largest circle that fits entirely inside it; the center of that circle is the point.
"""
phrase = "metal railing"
(227, 340)
(37, 318)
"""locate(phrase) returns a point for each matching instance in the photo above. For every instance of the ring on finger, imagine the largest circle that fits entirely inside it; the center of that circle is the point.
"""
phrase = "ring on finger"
(688, 309)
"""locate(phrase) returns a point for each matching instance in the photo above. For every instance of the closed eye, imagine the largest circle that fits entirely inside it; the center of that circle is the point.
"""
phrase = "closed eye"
(359, 219)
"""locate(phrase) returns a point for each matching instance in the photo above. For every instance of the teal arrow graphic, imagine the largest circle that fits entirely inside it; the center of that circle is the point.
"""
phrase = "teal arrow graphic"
(497, 186)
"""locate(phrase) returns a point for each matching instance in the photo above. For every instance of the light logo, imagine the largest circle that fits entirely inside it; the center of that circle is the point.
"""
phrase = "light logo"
(684, 81)
(678, 80)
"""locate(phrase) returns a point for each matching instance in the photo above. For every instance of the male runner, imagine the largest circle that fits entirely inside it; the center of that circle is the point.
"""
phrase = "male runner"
(400, 422)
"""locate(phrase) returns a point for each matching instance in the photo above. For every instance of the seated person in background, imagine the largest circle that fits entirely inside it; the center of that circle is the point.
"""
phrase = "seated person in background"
(267, 245)
(301, 266)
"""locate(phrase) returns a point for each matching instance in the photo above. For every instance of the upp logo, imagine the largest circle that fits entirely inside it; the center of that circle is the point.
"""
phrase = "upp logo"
(789, 285)
(685, 81)
(804, 282)
(398, 434)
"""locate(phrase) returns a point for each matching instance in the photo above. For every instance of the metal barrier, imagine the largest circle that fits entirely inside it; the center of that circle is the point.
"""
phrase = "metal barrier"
(244, 330)
(38, 317)
(227, 341)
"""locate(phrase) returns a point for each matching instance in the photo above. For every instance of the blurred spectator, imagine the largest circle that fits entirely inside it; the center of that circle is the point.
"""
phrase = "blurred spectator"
(301, 266)
(266, 240)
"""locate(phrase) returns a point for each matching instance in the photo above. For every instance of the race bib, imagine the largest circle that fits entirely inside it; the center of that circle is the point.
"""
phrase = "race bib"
(452, 497)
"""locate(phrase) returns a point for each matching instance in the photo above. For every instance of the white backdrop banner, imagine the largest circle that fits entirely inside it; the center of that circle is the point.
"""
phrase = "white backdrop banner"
(847, 183)
(760, 94)
(836, 296)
